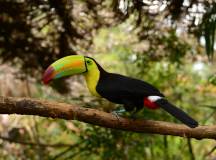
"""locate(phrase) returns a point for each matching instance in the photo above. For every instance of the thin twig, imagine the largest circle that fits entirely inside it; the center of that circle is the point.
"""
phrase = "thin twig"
(166, 148)
(65, 151)
(192, 156)
(210, 152)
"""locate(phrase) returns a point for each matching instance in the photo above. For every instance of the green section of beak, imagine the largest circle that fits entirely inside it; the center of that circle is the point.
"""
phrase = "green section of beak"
(65, 66)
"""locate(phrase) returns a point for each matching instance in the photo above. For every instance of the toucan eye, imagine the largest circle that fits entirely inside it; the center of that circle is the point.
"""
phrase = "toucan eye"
(88, 62)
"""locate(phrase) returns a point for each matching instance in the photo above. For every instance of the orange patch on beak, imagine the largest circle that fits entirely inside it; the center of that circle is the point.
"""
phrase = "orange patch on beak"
(71, 65)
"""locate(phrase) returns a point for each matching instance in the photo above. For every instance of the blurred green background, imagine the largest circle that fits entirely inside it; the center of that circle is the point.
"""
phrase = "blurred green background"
(168, 43)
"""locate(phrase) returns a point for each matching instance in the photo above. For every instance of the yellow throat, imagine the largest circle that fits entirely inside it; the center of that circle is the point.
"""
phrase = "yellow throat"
(92, 77)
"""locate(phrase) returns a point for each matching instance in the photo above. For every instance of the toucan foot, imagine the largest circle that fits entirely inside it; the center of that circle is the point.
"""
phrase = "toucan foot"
(115, 114)
(118, 112)
(133, 115)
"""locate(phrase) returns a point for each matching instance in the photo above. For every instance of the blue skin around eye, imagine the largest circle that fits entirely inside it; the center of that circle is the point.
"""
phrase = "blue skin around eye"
(58, 75)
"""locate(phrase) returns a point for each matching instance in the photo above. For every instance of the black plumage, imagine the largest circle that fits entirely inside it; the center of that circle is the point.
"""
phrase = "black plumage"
(177, 113)
(131, 93)
(124, 90)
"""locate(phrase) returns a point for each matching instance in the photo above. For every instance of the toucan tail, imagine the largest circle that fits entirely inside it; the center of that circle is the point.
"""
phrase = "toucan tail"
(177, 113)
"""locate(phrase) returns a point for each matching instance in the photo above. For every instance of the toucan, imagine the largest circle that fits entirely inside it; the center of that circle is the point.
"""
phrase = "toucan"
(132, 93)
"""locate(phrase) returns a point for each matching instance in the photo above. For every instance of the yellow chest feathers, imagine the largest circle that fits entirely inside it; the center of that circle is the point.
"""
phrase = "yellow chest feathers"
(92, 77)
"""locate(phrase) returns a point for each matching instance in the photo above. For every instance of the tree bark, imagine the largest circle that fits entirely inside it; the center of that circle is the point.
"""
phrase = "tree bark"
(30, 106)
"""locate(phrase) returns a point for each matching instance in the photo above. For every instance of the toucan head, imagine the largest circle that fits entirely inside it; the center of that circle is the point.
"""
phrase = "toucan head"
(68, 66)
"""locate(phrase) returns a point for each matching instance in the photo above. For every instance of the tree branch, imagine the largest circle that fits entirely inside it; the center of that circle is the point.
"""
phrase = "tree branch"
(29, 106)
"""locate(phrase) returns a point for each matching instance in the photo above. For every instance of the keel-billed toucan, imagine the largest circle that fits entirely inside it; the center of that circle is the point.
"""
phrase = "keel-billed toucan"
(132, 93)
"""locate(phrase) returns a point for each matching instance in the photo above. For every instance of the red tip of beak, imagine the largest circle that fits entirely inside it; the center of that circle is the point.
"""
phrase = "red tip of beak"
(48, 75)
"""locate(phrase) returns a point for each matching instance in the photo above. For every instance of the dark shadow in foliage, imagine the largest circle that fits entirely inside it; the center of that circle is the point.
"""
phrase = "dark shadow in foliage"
(33, 34)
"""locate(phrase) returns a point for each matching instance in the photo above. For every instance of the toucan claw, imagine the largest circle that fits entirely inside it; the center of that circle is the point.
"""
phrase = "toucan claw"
(118, 112)
(116, 115)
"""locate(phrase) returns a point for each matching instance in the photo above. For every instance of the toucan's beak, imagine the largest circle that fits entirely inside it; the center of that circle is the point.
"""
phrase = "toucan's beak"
(65, 66)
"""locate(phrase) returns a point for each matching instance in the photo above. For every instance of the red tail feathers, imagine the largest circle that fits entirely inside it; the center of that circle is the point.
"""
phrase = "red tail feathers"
(150, 104)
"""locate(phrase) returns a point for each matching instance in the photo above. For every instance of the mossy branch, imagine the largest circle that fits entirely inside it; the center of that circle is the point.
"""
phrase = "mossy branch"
(30, 106)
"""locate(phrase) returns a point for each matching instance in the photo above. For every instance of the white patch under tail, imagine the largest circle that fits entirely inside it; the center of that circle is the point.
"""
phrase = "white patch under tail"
(154, 98)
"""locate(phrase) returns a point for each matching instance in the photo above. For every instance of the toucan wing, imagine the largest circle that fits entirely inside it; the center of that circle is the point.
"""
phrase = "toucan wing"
(115, 86)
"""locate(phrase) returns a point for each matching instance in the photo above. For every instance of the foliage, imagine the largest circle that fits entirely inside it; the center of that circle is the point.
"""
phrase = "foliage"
(35, 33)
(209, 27)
